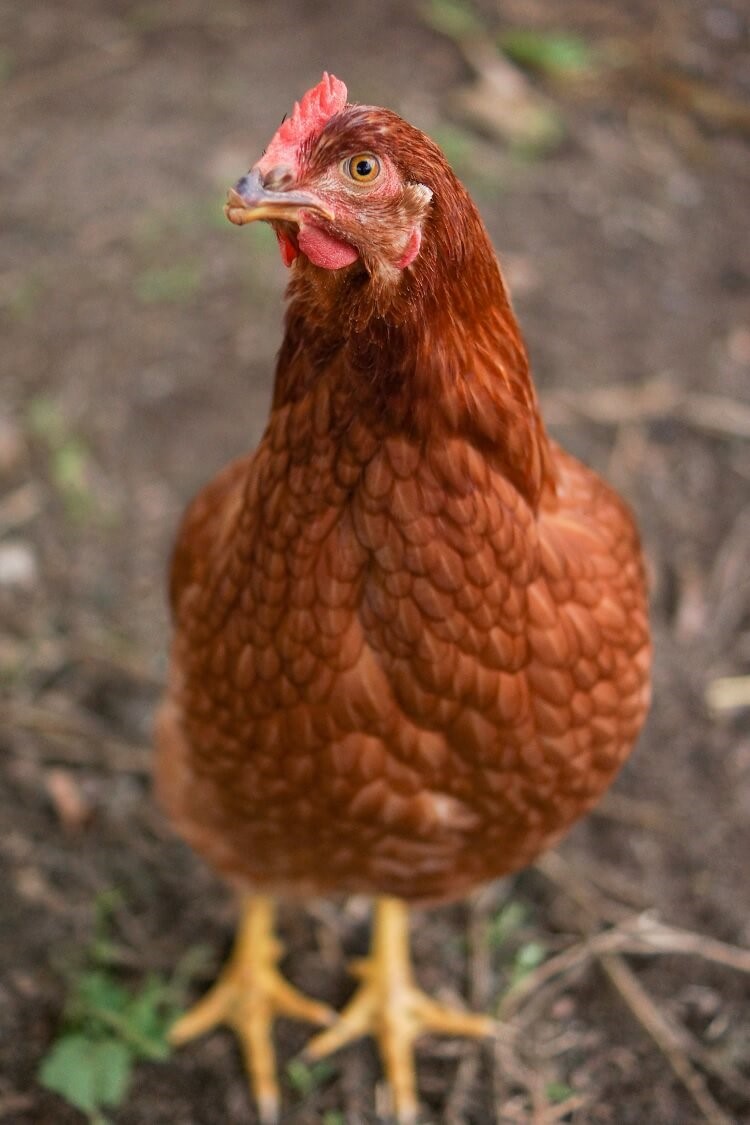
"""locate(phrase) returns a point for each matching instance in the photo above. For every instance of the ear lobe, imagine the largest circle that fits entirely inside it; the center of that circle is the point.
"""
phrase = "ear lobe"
(411, 249)
(420, 197)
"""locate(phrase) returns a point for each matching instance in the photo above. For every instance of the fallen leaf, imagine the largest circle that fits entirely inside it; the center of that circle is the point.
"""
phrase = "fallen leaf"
(72, 808)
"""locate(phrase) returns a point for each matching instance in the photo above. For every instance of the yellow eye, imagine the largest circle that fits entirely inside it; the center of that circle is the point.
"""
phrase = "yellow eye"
(364, 167)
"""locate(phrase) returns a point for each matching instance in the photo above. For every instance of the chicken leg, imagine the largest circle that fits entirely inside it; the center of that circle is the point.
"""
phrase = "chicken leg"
(389, 1006)
(248, 995)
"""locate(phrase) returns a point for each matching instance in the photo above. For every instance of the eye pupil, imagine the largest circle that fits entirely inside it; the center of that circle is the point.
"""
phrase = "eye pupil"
(363, 167)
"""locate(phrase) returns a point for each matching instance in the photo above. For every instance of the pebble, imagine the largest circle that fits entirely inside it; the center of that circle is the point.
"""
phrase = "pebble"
(18, 565)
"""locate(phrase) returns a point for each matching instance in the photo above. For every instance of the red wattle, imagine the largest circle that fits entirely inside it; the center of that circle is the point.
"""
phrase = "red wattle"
(288, 250)
(323, 249)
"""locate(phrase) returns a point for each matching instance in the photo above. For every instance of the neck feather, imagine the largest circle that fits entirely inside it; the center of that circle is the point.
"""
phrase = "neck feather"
(439, 357)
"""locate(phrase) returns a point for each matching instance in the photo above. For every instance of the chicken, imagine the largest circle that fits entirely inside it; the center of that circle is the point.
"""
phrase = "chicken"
(411, 640)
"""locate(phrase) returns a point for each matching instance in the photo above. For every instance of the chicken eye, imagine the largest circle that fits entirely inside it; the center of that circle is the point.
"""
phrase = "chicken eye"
(364, 167)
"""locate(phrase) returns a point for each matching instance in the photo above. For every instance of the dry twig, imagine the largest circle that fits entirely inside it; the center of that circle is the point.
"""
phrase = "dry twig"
(77, 741)
(641, 935)
(454, 1112)
(666, 1037)
(635, 813)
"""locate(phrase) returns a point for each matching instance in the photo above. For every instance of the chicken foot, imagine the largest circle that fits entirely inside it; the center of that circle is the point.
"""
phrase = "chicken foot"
(248, 995)
(389, 1006)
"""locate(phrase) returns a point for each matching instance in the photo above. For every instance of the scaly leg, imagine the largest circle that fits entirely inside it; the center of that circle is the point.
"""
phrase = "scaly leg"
(389, 1006)
(248, 995)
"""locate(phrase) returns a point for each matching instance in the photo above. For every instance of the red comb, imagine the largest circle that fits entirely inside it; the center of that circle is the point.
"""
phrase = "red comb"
(308, 119)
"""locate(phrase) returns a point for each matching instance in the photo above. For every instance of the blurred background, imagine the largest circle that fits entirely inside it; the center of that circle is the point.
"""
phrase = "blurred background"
(608, 148)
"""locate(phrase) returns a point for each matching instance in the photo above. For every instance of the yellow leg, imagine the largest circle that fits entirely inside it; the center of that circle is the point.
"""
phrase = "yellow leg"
(389, 1006)
(248, 995)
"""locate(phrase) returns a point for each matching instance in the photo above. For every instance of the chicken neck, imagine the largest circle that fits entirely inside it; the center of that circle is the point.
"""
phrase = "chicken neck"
(439, 357)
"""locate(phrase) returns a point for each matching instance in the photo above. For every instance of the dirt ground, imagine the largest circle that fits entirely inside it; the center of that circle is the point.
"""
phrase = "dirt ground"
(138, 336)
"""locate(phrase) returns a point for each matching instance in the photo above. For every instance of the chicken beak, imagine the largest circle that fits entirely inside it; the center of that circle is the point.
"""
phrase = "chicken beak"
(249, 201)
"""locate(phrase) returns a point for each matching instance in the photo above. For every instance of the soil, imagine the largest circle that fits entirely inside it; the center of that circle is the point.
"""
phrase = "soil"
(139, 331)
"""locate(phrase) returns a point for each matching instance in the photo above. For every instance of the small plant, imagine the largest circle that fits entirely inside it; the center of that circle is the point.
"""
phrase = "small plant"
(505, 936)
(505, 924)
(306, 1078)
(107, 1028)
(70, 462)
(559, 1092)
(558, 54)
(455, 18)
(528, 957)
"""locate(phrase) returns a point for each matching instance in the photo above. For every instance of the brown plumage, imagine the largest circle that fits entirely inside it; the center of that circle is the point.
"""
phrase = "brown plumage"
(411, 643)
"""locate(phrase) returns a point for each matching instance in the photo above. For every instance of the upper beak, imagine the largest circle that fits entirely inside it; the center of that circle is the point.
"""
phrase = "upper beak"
(249, 200)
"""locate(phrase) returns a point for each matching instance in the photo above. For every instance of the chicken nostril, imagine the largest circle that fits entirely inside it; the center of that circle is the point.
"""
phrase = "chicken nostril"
(245, 186)
(279, 178)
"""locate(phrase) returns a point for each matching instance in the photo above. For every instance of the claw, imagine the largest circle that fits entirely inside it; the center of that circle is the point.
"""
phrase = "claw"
(248, 995)
(389, 1006)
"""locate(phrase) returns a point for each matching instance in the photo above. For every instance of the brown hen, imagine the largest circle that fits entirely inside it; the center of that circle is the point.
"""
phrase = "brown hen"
(411, 643)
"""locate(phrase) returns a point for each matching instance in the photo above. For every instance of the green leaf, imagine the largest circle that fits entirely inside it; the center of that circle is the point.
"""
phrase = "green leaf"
(305, 1079)
(112, 1062)
(559, 1092)
(148, 1018)
(558, 54)
(70, 468)
(67, 1070)
(69, 458)
(105, 905)
(333, 1117)
(454, 18)
(88, 1073)
(45, 420)
(69, 465)
(527, 958)
(108, 1026)
(103, 950)
(505, 923)
(98, 991)
(193, 962)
